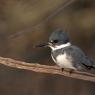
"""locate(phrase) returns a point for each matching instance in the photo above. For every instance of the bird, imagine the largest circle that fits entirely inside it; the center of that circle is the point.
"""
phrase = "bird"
(65, 54)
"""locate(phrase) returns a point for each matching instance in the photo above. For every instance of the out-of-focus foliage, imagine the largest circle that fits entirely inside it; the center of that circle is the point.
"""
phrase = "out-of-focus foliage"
(20, 16)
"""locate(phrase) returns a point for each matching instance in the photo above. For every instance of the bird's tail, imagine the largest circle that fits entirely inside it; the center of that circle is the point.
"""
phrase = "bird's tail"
(93, 66)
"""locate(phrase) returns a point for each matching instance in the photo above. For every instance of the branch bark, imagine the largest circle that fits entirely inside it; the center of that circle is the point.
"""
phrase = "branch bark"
(46, 69)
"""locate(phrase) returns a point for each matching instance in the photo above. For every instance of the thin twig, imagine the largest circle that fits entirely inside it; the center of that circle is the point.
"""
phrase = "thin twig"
(54, 13)
(46, 69)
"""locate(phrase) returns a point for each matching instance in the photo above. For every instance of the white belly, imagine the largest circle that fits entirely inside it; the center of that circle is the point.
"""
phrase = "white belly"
(63, 62)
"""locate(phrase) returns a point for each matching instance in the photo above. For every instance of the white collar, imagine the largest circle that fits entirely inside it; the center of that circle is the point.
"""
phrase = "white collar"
(61, 46)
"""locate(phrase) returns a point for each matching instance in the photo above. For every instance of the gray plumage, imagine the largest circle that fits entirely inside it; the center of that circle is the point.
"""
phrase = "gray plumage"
(69, 56)
(62, 37)
(66, 55)
(78, 58)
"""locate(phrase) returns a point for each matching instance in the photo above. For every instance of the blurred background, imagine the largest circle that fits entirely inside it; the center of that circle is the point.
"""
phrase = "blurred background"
(25, 23)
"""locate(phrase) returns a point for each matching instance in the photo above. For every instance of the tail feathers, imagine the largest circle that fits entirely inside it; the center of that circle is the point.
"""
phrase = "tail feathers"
(93, 66)
(89, 67)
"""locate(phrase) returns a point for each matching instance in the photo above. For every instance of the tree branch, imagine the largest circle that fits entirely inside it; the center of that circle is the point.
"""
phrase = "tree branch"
(54, 13)
(46, 69)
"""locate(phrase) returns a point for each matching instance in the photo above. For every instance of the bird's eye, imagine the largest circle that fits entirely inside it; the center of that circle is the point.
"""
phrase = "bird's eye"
(55, 41)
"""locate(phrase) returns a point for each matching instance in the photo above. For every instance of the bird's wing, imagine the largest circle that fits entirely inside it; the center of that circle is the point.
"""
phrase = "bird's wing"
(80, 57)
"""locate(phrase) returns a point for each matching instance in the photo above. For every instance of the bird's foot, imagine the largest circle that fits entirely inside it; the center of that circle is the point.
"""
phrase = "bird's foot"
(71, 71)
(62, 69)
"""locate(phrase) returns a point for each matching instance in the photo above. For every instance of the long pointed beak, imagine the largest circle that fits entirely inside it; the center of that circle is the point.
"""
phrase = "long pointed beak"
(42, 45)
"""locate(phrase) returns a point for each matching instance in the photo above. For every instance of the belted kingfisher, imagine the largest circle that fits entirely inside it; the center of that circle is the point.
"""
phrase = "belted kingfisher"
(66, 55)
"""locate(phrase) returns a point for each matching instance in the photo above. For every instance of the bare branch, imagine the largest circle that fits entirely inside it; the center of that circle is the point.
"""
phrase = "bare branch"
(54, 13)
(46, 69)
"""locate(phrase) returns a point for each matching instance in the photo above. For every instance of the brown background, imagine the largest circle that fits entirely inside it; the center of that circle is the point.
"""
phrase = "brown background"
(20, 17)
